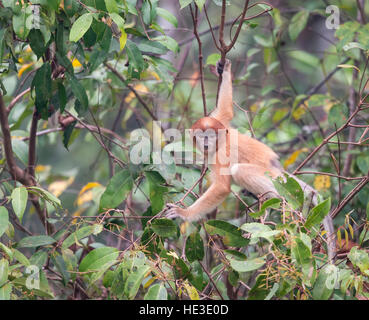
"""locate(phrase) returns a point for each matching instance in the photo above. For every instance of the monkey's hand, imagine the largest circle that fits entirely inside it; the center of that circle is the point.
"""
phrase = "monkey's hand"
(223, 67)
(174, 211)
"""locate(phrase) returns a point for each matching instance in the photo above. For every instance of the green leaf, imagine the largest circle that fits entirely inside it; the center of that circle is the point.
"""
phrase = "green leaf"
(80, 27)
(213, 59)
(184, 3)
(305, 58)
(19, 198)
(19, 256)
(118, 20)
(298, 23)
(97, 258)
(4, 220)
(61, 266)
(152, 47)
(157, 190)
(134, 56)
(62, 97)
(232, 235)
(259, 230)
(7, 251)
(5, 291)
(2, 45)
(164, 227)
(78, 90)
(134, 281)
(291, 190)
(301, 252)
(39, 258)
(36, 42)
(194, 247)
(78, 235)
(200, 3)
(360, 259)
(318, 213)
(234, 254)
(272, 291)
(117, 190)
(111, 6)
(46, 195)
(4, 270)
(42, 84)
(270, 203)
(156, 292)
(165, 14)
(320, 290)
(20, 23)
(67, 133)
(168, 42)
(35, 241)
(248, 265)
(363, 164)
(148, 10)
(20, 148)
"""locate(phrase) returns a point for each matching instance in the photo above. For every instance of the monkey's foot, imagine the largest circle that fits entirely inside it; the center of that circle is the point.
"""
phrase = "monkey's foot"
(173, 211)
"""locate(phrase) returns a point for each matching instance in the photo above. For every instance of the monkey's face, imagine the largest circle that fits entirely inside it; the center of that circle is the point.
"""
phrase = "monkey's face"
(206, 141)
(207, 134)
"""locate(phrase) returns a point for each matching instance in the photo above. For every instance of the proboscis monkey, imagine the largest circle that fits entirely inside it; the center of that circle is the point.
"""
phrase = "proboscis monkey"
(238, 157)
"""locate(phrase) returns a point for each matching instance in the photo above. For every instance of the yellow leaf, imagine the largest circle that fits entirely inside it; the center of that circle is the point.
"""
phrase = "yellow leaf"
(351, 231)
(191, 291)
(348, 66)
(155, 75)
(76, 63)
(58, 187)
(41, 168)
(299, 112)
(339, 239)
(322, 182)
(346, 236)
(84, 197)
(89, 186)
(24, 68)
(139, 87)
(149, 282)
(254, 107)
(328, 105)
(122, 39)
(293, 157)
(173, 254)
(61, 5)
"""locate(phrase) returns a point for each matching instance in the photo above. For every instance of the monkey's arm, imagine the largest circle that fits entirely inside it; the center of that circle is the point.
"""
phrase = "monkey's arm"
(224, 110)
(213, 197)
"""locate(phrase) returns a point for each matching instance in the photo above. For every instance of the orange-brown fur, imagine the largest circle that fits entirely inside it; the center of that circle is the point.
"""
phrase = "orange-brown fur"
(255, 161)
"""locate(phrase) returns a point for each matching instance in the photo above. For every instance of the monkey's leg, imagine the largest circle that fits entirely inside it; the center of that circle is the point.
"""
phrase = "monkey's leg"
(254, 178)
